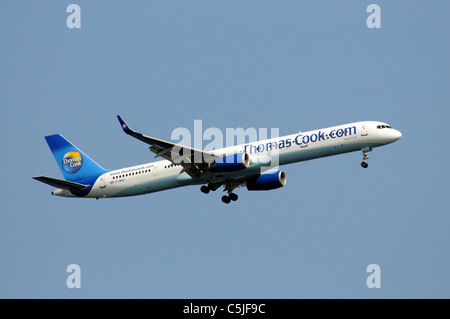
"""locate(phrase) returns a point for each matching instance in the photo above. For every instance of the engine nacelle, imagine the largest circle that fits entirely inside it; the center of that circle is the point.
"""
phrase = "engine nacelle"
(231, 163)
(267, 181)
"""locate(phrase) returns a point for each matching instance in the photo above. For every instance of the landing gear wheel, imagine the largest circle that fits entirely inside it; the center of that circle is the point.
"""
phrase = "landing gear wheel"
(205, 189)
(233, 197)
(226, 199)
(364, 164)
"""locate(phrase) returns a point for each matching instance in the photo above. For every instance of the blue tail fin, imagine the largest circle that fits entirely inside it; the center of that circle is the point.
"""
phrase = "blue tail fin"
(73, 163)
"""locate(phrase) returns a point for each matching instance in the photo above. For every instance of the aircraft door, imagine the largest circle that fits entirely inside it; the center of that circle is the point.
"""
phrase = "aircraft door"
(364, 130)
(102, 181)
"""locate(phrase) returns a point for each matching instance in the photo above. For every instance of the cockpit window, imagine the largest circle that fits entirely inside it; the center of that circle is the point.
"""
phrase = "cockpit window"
(383, 126)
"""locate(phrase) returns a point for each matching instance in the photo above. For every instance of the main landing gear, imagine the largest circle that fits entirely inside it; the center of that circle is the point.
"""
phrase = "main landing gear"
(205, 189)
(365, 156)
(229, 187)
(231, 197)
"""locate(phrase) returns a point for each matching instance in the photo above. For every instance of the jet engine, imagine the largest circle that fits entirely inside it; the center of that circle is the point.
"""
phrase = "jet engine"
(231, 163)
(267, 181)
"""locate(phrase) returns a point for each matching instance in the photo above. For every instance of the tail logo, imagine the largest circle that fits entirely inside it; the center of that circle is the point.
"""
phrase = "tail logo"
(72, 162)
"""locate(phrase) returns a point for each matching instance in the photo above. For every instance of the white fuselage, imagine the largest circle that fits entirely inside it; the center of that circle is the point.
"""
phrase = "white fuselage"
(161, 175)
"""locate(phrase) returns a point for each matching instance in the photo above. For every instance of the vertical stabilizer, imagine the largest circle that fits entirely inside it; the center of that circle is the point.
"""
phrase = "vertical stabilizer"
(73, 163)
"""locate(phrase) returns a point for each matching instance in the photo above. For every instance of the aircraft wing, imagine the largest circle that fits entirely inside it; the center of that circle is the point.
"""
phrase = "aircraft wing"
(60, 183)
(177, 154)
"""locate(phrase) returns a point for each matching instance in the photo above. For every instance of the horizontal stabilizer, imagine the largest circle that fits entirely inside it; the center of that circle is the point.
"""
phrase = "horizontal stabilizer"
(60, 183)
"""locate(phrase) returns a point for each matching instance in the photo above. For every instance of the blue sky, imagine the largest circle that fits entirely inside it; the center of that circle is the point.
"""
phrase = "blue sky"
(292, 65)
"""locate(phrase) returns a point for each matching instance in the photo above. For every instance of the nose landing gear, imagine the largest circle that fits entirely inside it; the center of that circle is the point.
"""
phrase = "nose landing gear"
(365, 156)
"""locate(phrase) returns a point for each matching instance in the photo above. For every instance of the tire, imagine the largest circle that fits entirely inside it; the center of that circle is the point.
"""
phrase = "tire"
(205, 189)
(226, 199)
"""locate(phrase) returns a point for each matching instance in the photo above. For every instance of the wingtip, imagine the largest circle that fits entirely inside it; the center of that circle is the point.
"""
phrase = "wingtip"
(124, 125)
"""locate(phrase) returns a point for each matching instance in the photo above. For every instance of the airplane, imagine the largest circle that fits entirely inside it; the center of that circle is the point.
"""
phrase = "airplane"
(231, 167)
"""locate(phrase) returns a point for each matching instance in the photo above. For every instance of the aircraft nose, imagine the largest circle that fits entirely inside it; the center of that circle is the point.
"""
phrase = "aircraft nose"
(396, 135)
